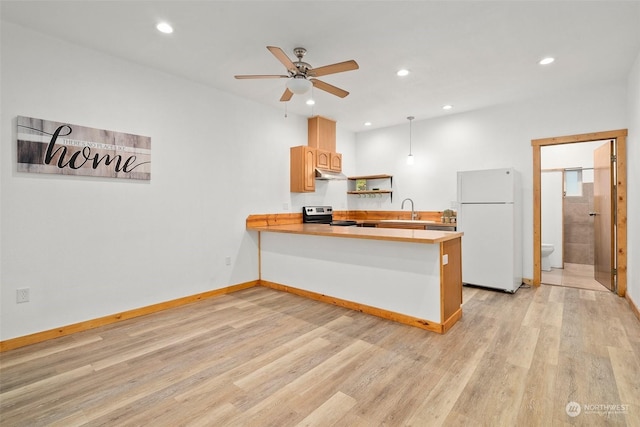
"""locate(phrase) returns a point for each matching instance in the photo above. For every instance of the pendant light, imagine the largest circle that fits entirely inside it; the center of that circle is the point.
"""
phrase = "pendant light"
(410, 158)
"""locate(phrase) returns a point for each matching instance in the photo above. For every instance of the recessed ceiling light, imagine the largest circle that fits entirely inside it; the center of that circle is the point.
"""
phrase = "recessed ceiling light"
(546, 61)
(310, 102)
(367, 123)
(163, 27)
(447, 107)
(402, 73)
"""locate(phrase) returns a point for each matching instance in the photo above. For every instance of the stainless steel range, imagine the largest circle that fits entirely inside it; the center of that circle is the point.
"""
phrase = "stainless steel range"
(322, 215)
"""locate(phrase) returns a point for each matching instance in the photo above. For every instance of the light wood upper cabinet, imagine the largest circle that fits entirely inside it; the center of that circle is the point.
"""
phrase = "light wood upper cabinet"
(329, 161)
(322, 133)
(336, 162)
(303, 169)
(323, 159)
(320, 152)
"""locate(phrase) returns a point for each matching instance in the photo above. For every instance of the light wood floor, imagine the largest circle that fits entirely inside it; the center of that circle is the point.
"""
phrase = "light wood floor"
(573, 275)
(260, 357)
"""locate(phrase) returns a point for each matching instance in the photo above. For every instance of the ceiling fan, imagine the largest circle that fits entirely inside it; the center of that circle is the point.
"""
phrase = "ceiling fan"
(302, 75)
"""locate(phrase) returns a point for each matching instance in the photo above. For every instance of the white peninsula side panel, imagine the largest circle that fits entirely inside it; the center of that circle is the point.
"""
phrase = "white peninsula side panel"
(397, 276)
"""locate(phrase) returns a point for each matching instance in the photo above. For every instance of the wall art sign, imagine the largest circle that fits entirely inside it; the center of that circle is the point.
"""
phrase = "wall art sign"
(61, 148)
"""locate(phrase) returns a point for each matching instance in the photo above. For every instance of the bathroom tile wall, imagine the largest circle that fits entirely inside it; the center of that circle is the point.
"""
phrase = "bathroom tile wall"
(578, 227)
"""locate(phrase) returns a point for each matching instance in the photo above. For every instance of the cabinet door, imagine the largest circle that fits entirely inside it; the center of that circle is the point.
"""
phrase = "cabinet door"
(302, 172)
(336, 162)
(322, 133)
(323, 159)
(310, 170)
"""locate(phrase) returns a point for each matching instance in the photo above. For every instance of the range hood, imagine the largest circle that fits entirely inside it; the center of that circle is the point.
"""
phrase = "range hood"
(329, 175)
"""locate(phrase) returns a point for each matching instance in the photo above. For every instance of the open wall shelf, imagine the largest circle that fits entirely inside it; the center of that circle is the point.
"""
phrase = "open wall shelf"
(360, 186)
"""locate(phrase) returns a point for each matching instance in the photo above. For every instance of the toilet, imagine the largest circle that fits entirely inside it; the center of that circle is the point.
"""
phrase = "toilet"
(547, 249)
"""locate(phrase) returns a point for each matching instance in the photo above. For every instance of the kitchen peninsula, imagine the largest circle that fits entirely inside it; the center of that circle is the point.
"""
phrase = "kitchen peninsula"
(409, 276)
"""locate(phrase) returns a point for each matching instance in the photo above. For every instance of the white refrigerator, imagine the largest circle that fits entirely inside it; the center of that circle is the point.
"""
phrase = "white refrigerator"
(490, 216)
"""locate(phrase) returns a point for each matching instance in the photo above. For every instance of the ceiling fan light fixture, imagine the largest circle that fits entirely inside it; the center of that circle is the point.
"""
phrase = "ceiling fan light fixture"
(297, 73)
(299, 85)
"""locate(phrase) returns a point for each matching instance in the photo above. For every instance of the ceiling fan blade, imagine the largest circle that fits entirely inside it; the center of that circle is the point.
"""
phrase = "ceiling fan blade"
(282, 57)
(286, 96)
(334, 68)
(329, 88)
(262, 76)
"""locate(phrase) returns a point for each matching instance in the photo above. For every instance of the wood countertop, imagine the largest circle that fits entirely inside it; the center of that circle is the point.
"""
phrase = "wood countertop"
(407, 222)
(372, 233)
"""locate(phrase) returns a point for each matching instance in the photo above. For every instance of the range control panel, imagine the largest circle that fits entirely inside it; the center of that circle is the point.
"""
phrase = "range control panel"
(318, 214)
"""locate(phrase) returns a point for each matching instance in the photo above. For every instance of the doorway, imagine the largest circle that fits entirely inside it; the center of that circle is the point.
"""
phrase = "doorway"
(618, 205)
(568, 218)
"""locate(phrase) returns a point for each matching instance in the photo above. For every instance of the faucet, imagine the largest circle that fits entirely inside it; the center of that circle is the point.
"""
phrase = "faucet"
(414, 215)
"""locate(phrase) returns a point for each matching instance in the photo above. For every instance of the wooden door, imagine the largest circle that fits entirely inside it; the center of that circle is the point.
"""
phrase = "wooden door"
(603, 209)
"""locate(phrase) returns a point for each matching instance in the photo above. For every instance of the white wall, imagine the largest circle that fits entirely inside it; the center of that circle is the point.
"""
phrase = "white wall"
(633, 181)
(567, 156)
(551, 214)
(484, 139)
(91, 247)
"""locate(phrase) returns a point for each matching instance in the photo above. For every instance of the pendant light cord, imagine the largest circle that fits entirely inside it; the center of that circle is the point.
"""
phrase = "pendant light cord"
(410, 118)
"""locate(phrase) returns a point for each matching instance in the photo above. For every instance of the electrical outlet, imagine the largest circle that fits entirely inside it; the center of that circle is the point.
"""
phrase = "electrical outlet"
(227, 260)
(22, 295)
(285, 206)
